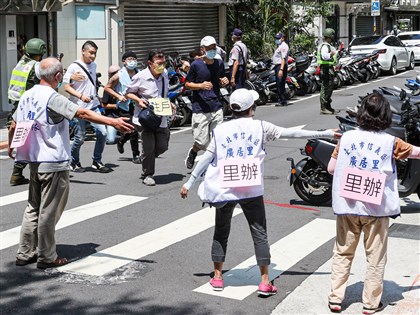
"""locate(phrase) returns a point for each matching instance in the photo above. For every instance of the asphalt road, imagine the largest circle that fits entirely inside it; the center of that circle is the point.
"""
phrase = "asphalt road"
(143, 250)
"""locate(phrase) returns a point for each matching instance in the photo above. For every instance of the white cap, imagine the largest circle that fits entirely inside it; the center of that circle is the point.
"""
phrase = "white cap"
(244, 98)
(207, 41)
(114, 68)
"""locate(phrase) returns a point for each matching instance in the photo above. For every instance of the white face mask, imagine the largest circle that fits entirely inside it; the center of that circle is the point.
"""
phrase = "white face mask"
(131, 65)
(278, 41)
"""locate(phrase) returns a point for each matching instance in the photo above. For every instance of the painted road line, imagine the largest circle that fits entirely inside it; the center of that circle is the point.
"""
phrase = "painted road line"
(11, 237)
(243, 280)
(13, 198)
(107, 260)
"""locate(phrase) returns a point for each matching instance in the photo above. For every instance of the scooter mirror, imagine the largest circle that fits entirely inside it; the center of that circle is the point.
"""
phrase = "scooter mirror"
(403, 95)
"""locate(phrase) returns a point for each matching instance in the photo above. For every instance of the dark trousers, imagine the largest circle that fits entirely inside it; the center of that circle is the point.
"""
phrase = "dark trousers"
(254, 211)
(327, 86)
(133, 136)
(281, 85)
(239, 77)
(154, 144)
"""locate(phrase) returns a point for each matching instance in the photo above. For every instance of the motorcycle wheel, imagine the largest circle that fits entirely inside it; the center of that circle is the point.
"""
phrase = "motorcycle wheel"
(314, 87)
(263, 99)
(292, 92)
(309, 87)
(185, 117)
(302, 90)
(314, 195)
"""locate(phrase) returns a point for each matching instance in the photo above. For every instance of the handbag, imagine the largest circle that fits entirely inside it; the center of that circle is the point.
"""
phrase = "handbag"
(148, 119)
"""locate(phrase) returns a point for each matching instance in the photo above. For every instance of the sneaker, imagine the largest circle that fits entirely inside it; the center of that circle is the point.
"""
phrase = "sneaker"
(120, 147)
(217, 284)
(77, 167)
(149, 181)
(136, 160)
(267, 289)
(373, 310)
(16, 180)
(22, 262)
(99, 166)
(189, 161)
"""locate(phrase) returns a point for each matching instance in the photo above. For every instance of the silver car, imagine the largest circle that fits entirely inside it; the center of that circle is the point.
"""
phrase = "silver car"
(412, 40)
(393, 53)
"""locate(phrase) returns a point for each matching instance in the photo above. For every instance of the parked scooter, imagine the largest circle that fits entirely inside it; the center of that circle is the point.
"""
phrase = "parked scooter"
(313, 183)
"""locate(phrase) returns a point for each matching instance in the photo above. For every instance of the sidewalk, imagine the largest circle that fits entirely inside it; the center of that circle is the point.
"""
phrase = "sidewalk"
(3, 130)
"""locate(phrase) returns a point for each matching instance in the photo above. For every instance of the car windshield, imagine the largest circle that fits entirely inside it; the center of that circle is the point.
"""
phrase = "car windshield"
(367, 40)
(409, 36)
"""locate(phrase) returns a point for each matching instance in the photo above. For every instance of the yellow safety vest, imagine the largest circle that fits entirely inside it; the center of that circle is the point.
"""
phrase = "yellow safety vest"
(19, 78)
(326, 62)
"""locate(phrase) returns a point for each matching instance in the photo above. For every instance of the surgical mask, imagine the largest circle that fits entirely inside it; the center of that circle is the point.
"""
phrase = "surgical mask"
(278, 41)
(59, 84)
(210, 54)
(159, 69)
(131, 65)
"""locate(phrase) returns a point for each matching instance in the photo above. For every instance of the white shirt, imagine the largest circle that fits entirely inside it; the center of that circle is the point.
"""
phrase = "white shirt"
(84, 87)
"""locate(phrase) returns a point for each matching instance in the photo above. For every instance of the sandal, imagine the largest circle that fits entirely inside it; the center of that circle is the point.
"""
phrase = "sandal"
(56, 263)
(334, 307)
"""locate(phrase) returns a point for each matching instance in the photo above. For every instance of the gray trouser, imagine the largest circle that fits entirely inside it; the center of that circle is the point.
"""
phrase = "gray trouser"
(48, 194)
(254, 211)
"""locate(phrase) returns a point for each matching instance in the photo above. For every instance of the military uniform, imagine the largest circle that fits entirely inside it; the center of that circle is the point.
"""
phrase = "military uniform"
(327, 80)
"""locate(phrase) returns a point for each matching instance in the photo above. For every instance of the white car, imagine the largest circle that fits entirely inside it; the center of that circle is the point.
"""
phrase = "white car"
(412, 40)
(393, 53)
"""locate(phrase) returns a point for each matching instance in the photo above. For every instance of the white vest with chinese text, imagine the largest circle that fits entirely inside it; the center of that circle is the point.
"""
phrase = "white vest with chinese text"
(238, 139)
(367, 151)
(47, 141)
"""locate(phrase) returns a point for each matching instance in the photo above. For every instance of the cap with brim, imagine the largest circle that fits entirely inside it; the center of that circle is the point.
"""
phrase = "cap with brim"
(113, 68)
(237, 32)
(279, 35)
(208, 41)
(244, 98)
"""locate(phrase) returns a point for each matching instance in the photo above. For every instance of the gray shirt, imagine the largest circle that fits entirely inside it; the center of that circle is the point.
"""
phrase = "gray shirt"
(236, 54)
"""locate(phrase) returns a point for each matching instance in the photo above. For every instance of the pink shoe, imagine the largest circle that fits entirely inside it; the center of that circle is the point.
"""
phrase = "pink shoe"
(217, 284)
(267, 289)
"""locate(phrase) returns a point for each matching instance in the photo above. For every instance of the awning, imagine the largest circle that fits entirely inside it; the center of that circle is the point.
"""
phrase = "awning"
(23, 6)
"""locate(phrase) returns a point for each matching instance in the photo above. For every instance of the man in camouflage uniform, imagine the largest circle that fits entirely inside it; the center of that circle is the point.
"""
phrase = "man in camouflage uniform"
(24, 77)
(327, 58)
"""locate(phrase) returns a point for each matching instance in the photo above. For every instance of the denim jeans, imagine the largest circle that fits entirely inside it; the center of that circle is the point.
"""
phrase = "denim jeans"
(79, 139)
(111, 135)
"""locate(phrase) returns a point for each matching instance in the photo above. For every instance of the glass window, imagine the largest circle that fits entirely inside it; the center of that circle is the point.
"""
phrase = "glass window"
(90, 21)
(367, 40)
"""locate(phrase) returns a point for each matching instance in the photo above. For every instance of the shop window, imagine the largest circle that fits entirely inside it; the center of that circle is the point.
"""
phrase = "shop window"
(90, 22)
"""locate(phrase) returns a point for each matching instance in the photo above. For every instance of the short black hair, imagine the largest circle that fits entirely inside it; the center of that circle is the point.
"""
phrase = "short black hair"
(129, 54)
(89, 43)
(155, 53)
(374, 113)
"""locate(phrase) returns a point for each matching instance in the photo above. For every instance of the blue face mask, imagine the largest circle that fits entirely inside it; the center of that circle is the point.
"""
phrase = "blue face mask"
(59, 84)
(131, 65)
(278, 41)
(210, 54)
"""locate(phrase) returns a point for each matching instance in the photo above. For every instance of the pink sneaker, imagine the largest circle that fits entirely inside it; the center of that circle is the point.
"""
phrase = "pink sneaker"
(217, 284)
(267, 289)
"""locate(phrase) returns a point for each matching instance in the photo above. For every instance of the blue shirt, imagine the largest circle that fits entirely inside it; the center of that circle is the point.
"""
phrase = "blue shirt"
(206, 101)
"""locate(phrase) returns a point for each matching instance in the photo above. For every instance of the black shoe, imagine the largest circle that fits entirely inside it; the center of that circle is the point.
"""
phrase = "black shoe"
(280, 104)
(56, 263)
(77, 167)
(16, 180)
(136, 160)
(189, 161)
(120, 147)
(22, 262)
(99, 166)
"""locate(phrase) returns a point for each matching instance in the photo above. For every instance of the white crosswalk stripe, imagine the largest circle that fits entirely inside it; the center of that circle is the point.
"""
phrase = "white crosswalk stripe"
(105, 261)
(13, 198)
(243, 279)
(11, 237)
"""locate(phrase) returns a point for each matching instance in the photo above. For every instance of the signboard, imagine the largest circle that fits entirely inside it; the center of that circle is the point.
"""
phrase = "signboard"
(375, 8)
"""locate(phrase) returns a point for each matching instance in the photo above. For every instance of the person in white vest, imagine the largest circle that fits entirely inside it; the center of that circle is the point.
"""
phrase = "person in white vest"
(234, 166)
(44, 116)
(365, 196)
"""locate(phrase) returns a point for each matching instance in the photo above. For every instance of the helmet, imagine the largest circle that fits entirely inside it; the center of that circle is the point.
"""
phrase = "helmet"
(35, 46)
(328, 32)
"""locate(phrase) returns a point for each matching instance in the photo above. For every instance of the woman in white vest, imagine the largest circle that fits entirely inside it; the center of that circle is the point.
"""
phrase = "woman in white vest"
(234, 174)
(365, 195)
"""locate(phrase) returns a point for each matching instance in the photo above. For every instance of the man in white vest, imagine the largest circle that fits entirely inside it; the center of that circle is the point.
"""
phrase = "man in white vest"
(43, 115)
(234, 166)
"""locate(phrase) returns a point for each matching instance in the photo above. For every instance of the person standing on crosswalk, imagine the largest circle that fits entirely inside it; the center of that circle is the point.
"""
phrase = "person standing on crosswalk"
(44, 116)
(359, 159)
(234, 166)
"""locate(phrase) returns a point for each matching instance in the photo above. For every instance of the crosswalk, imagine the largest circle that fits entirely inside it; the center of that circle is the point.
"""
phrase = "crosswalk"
(240, 282)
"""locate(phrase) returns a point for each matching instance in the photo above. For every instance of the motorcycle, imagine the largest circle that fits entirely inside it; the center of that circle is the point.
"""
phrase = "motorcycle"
(313, 183)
